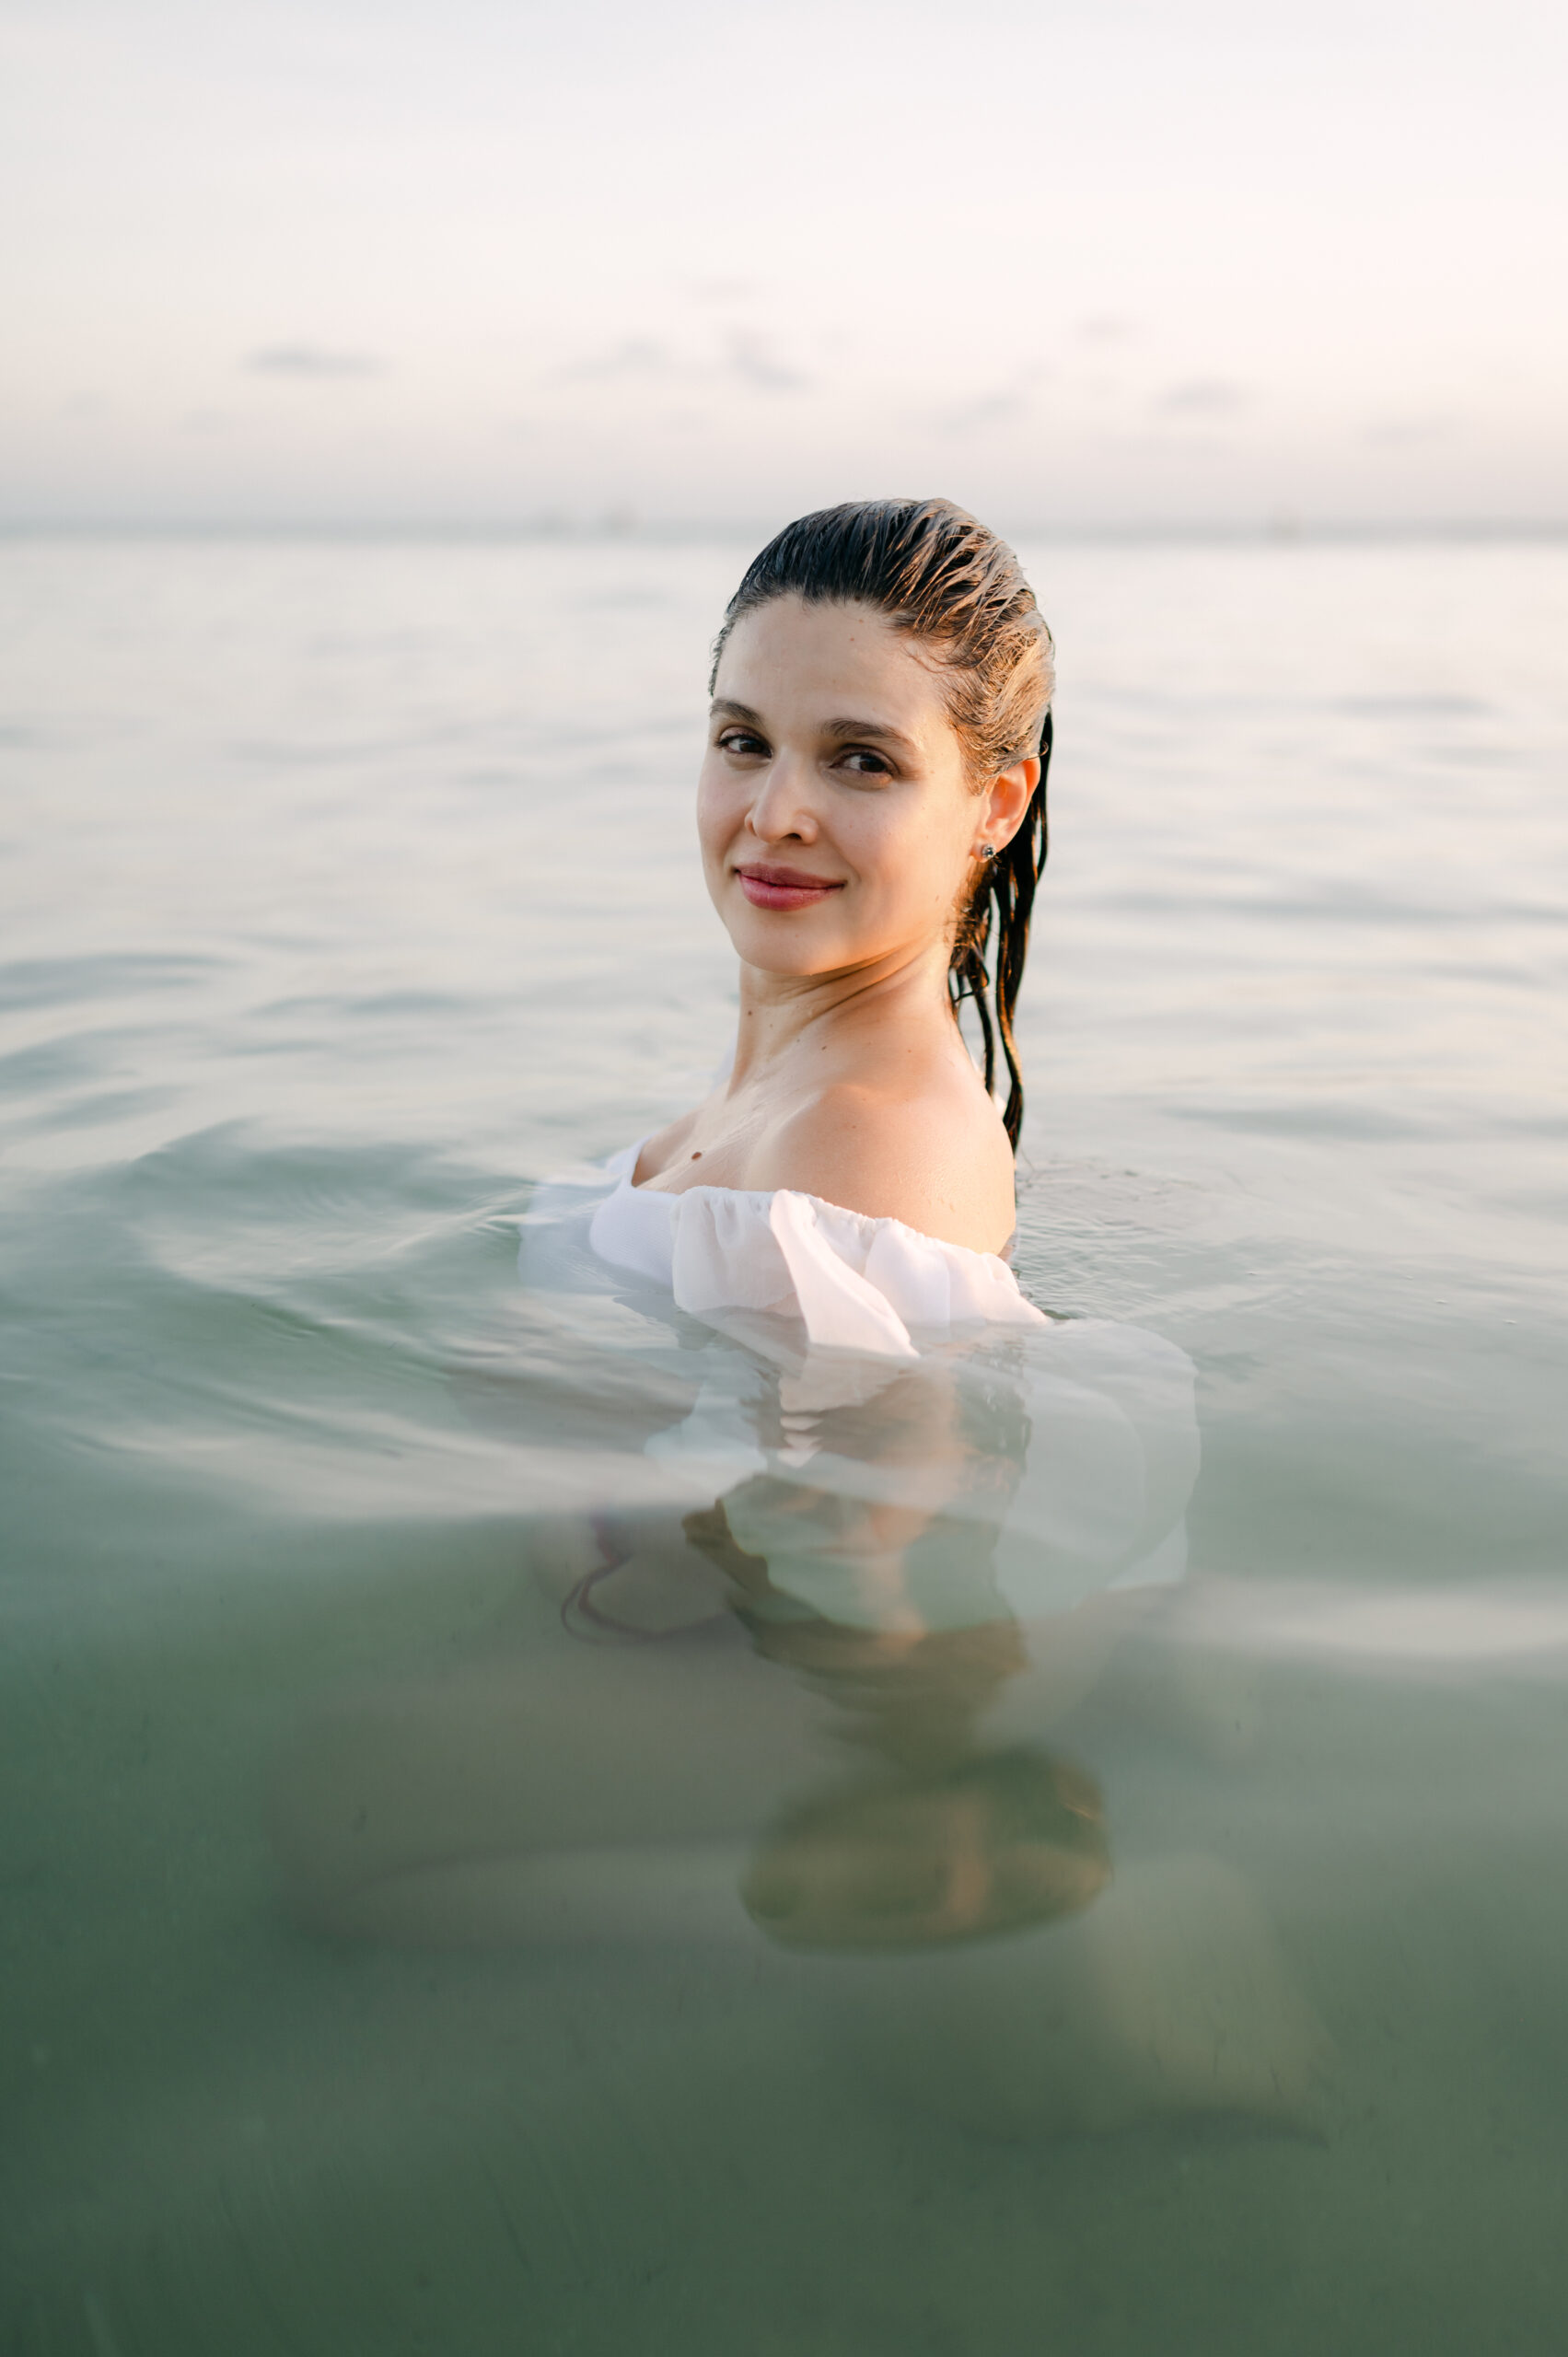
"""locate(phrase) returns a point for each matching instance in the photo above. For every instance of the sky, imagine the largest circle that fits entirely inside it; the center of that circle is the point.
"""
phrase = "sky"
(1077, 263)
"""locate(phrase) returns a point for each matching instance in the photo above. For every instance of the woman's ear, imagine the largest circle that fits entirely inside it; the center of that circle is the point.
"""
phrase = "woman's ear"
(1009, 797)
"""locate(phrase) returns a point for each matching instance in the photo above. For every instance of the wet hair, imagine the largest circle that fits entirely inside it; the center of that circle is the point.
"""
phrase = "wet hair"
(943, 578)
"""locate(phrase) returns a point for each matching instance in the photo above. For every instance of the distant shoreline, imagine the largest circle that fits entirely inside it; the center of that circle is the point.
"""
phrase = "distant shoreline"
(1277, 531)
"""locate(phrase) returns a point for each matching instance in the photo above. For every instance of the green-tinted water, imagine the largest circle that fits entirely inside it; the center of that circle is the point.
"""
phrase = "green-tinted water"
(349, 894)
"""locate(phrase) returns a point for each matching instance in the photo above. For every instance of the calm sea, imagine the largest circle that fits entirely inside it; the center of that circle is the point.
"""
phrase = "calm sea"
(349, 892)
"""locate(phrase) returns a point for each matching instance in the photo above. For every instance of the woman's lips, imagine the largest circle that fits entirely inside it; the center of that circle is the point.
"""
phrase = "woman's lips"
(785, 888)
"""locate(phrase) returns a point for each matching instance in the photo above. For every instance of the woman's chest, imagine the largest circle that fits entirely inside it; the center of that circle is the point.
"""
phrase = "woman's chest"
(715, 1147)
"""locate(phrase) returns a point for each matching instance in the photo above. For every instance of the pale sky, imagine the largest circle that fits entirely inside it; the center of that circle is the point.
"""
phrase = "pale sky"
(1073, 263)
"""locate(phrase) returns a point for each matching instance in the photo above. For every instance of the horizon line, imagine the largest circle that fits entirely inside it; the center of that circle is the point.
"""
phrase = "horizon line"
(1280, 527)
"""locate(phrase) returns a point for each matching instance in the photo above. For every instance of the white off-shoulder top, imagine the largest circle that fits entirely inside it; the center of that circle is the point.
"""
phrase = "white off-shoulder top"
(813, 1313)
(857, 1283)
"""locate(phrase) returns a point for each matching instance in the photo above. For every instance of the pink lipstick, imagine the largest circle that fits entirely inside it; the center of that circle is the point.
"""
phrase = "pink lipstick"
(785, 888)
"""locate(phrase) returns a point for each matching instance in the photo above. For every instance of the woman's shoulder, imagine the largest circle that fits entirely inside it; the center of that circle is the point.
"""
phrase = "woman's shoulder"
(933, 1156)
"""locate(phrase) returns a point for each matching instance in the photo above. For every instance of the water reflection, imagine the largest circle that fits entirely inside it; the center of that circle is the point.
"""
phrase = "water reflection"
(822, 1715)
(935, 1836)
(998, 1841)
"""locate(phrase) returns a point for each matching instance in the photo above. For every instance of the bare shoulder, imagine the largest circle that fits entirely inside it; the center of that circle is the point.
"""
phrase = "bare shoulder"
(937, 1158)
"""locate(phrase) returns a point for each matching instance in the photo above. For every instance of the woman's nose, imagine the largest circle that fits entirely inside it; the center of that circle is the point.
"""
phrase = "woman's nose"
(782, 804)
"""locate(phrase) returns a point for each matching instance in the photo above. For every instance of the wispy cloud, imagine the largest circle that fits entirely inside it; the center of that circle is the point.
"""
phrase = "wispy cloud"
(723, 290)
(311, 360)
(976, 416)
(753, 360)
(745, 356)
(637, 355)
(1201, 397)
(1402, 433)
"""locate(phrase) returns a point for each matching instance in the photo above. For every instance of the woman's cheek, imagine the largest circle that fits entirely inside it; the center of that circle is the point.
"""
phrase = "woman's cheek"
(715, 822)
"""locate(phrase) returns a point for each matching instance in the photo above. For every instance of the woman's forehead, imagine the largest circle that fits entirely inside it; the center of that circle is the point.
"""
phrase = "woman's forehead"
(788, 653)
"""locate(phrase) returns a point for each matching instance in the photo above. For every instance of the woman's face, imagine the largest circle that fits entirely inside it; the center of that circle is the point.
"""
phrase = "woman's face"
(837, 822)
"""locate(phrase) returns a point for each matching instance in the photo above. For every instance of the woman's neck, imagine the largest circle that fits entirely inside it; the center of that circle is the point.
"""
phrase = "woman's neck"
(781, 1014)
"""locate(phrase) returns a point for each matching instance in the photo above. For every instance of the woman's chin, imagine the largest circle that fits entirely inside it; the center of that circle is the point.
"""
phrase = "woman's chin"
(788, 946)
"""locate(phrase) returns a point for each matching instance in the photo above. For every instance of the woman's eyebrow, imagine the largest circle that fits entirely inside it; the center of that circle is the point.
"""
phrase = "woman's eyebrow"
(736, 711)
(878, 729)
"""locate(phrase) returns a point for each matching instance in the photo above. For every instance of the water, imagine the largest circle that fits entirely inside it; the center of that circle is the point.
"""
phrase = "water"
(349, 893)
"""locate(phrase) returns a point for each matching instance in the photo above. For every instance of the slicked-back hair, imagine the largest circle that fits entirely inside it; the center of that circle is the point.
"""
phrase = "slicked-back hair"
(943, 579)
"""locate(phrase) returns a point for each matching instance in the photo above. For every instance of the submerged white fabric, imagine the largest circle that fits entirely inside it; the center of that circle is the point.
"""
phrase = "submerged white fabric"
(857, 1283)
(1066, 1448)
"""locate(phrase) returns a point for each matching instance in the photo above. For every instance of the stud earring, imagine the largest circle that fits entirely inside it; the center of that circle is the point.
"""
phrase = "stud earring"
(985, 850)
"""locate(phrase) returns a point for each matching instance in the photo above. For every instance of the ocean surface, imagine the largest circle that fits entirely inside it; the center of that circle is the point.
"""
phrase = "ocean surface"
(348, 893)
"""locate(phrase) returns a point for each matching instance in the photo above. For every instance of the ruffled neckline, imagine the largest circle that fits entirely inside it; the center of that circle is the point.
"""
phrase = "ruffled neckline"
(623, 1165)
(859, 1282)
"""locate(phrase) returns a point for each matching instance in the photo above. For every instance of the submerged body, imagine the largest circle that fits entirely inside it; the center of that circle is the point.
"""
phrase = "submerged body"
(893, 1518)
(821, 1711)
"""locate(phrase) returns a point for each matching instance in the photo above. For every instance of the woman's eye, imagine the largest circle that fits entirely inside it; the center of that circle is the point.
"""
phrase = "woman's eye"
(862, 763)
(739, 740)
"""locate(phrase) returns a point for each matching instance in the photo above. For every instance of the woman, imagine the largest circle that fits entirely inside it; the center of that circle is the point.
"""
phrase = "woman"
(913, 1512)
(873, 796)
(871, 810)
